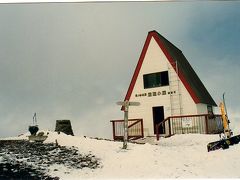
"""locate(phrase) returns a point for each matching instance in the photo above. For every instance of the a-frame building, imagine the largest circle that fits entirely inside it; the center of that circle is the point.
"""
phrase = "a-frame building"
(173, 98)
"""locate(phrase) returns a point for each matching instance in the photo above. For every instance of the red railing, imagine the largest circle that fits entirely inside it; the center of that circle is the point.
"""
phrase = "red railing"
(201, 124)
(135, 129)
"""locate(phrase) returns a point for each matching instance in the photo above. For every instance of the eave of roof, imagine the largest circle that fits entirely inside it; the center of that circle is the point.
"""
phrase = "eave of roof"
(186, 73)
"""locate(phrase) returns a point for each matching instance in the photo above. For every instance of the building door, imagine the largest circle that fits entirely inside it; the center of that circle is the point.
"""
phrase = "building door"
(158, 116)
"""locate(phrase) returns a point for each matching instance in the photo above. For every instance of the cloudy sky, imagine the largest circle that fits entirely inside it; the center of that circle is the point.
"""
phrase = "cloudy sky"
(75, 60)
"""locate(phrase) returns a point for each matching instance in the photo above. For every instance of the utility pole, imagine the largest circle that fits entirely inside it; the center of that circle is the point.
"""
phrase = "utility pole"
(126, 105)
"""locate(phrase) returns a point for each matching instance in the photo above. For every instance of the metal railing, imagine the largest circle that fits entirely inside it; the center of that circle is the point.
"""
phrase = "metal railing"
(201, 124)
(135, 129)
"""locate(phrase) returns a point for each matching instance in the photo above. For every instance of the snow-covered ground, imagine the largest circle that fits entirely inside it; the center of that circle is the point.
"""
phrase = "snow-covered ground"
(180, 156)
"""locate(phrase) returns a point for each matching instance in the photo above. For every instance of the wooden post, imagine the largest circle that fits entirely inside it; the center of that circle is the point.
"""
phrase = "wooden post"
(169, 125)
(113, 126)
(142, 128)
(126, 105)
(206, 122)
(125, 137)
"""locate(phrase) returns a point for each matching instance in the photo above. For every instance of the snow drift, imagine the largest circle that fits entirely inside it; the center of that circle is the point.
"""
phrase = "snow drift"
(180, 156)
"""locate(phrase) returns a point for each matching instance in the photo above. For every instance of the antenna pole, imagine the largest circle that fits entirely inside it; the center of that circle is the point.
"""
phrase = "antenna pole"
(35, 119)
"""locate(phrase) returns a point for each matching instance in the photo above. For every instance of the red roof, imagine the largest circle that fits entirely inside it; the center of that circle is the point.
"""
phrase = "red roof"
(186, 73)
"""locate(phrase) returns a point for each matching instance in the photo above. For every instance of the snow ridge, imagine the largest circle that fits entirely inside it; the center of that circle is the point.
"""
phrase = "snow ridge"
(180, 156)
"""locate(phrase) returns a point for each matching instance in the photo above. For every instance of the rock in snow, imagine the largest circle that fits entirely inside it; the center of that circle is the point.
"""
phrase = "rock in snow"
(180, 156)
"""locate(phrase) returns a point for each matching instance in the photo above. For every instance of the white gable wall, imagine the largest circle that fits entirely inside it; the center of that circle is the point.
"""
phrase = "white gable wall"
(202, 108)
(156, 61)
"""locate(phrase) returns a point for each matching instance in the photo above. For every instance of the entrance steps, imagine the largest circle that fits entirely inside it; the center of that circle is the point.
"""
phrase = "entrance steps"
(148, 139)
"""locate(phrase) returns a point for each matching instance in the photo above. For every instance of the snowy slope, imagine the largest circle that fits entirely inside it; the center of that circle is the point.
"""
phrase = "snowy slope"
(180, 156)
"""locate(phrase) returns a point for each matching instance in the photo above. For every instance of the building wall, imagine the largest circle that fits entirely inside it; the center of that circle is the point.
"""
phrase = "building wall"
(201, 108)
(156, 61)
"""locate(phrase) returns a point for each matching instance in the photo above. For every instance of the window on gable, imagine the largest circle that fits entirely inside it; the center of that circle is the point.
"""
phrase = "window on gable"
(155, 79)
(210, 109)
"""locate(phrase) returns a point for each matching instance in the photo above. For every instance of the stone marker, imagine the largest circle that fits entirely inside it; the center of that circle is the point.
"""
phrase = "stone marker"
(64, 126)
(33, 130)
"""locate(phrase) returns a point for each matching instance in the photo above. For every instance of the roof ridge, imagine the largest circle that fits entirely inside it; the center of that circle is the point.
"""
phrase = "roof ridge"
(163, 38)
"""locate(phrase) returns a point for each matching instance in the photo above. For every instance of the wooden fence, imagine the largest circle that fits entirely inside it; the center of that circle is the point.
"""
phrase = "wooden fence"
(135, 129)
(201, 124)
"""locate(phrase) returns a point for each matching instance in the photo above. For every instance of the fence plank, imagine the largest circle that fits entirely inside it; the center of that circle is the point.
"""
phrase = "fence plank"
(199, 124)
(135, 129)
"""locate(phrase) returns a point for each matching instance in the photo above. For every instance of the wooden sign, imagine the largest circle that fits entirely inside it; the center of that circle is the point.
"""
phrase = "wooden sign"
(126, 105)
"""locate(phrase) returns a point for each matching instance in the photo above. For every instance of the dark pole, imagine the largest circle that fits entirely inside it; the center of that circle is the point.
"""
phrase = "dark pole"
(125, 138)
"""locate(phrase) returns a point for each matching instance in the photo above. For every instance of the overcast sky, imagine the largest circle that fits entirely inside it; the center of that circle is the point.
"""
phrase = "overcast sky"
(75, 60)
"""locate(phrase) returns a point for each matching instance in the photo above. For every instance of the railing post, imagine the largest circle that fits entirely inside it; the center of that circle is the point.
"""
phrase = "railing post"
(169, 125)
(142, 131)
(206, 122)
(113, 126)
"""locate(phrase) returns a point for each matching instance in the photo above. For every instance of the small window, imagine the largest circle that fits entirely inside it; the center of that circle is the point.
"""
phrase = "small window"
(210, 112)
(155, 79)
(210, 109)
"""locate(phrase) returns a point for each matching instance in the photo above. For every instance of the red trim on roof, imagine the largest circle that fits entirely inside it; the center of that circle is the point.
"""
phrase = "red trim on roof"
(170, 59)
(180, 74)
(137, 69)
(188, 87)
